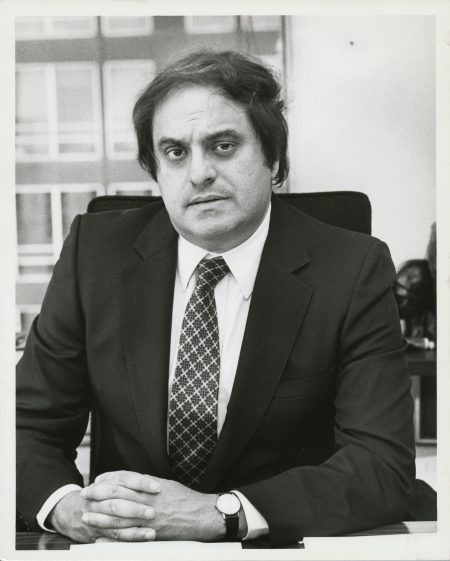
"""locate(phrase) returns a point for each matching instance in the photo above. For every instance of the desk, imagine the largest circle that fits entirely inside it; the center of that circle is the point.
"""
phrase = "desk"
(47, 541)
(422, 367)
(421, 362)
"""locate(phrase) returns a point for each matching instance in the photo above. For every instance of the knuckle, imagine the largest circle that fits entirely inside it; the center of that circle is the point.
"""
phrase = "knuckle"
(147, 512)
(115, 533)
(115, 490)
(103, 476)
(112, 508)
(121, 476)
(116, 522)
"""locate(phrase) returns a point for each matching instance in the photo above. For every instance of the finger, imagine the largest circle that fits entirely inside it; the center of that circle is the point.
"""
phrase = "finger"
(131, 480)
(135, 534)
(105, 490)
(105, 521)
(121, 509)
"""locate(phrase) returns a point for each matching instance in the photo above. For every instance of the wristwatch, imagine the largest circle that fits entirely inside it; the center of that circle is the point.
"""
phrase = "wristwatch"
(229, 505)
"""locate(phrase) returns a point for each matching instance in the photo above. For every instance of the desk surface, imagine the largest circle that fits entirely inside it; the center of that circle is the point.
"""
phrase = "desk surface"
(47, 541)
(421, 362)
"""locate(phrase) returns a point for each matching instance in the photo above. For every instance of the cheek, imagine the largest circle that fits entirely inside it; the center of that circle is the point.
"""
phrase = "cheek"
(171, 198)
(251, 170)
(172, 186)
(246, 169)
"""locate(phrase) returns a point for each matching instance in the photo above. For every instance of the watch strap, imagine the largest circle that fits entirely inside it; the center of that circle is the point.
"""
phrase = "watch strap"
(231, 526)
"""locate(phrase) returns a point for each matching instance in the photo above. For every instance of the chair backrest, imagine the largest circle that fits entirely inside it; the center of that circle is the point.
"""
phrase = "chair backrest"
(347, 209)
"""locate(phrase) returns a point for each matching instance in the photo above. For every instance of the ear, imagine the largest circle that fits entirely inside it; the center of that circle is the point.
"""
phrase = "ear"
(275, 168)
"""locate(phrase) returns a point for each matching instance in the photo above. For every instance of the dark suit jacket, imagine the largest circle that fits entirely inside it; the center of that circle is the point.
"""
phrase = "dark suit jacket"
(318, 433)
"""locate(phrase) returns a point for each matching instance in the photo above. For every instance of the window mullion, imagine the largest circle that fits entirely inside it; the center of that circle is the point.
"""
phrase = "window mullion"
(57, 227)
(52, 110)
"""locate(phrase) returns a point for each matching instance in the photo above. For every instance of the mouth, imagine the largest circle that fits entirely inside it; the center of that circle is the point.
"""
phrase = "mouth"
(205, 199)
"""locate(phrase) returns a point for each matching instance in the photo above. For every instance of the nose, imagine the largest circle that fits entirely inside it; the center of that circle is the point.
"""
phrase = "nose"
(202, 172)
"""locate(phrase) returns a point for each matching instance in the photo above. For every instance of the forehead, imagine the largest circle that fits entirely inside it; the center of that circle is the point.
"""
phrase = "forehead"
(198, 109)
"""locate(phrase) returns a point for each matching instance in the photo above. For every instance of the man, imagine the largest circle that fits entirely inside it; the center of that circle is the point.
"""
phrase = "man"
(226, 342)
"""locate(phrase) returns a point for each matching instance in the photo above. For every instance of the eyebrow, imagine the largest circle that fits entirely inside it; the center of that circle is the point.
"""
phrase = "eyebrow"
(230, 133)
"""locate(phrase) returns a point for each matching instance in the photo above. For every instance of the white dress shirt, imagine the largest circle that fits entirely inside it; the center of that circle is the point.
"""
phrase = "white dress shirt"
(233, 295)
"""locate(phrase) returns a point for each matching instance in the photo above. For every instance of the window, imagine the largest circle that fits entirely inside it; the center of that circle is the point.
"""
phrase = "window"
(123, 80)
(44, 215)
(79, 123)
(31, 28)
(35, 233)
(32, 108)
(261, 23)
(61, 27)
(126, 26)
(58, 112)
(210, 24)
(25, 315)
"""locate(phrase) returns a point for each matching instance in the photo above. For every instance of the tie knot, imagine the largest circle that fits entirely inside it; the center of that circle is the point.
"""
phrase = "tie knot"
(210, 272)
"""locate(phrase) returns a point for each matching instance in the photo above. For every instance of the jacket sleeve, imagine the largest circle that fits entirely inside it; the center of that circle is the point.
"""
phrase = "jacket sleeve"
(367, 481)
(53, 392)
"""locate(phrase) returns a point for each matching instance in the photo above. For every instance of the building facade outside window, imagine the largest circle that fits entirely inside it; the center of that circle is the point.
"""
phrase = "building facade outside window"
(77, 79)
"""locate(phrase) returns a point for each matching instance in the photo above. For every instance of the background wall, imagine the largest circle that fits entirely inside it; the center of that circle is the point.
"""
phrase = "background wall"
(362, 117)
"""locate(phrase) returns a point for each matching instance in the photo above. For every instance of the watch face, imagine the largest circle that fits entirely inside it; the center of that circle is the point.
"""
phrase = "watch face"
(228, 503)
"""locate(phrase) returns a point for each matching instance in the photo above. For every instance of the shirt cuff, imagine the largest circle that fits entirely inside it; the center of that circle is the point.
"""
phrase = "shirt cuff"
(50, 503)
(256, 523)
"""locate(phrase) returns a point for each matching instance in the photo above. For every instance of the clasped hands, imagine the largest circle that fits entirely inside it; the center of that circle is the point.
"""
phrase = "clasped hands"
(129, 506)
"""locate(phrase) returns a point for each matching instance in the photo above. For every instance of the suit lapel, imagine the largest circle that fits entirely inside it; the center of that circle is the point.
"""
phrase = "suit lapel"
(279, 303)
(147, 296)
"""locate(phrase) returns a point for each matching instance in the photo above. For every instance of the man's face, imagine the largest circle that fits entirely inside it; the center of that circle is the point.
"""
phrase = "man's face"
(210, 168)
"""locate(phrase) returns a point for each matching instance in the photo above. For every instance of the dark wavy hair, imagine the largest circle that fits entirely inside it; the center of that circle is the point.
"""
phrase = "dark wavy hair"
(239, 78)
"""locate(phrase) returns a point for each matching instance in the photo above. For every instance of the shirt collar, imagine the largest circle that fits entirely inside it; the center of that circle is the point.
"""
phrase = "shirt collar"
(243, 260)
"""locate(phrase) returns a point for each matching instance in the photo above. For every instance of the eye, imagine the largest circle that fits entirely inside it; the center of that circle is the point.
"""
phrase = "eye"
(224, 147)
(175, 153)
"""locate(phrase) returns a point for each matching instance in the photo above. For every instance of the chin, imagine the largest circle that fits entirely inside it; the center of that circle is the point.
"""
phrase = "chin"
(214, 239)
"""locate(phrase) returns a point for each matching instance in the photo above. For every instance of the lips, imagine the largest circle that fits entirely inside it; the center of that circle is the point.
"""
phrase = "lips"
(202, 199)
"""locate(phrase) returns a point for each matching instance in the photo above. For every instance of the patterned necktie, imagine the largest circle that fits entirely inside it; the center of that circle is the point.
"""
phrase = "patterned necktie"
(193, 402)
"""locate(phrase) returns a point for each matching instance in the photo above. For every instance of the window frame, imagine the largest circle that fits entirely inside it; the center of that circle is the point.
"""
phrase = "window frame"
(53, 126)
(108, 95)
(48, 254)
(194, 27)
(49, 29)
(249, 24)
(106, 31)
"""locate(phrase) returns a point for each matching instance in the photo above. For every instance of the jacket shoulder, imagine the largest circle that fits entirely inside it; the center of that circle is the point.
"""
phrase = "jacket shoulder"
(105, 240)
